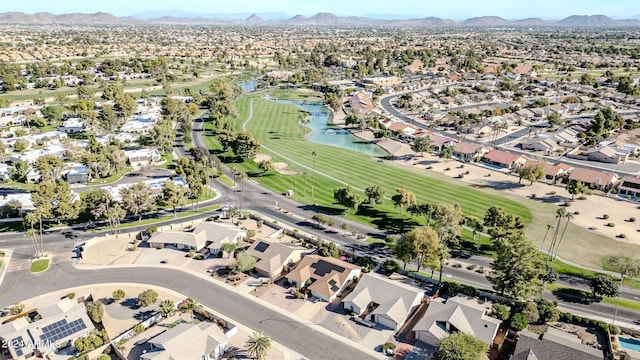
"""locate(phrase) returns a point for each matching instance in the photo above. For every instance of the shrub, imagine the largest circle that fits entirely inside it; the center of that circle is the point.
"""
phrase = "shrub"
(147, 298)
(582, 197)
(605, 216)
(456, 265)
(388, 346)
(611, 224)
(152, 229)
(16, 308)
(118, 294)
(71, 295)
(308, 282)
(614, 329)
(480, 270)
(471, 267)
(95, 310)
(429, 167)
(622, 236)
(447, 169)
(500, 311)
(104, 357)
(298, 295)
(519, 322)
(251, 233)
(138, 328)
(530, 310)
(533, 196)
(632, 219)
(467, 172)
(577, 318)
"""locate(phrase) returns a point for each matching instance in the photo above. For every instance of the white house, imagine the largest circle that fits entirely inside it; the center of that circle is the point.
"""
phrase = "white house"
(142, 157)
(72, 125)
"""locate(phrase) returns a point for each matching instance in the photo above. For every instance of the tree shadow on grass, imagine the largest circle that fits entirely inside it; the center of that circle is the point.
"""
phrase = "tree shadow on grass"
(386, 222)
(327, 210)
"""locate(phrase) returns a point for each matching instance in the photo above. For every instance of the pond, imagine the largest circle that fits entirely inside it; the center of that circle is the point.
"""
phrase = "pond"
(248, 85)
(322, 132)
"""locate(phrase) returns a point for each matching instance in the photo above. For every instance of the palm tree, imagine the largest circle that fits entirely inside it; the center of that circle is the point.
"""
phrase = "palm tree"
(305, 175)
(568, 215)
(313, 171)
(625, 265)
(549, 226)
(560, 213)
(33, 234)
(189, 306)
(258, 345)
(241, 176)
(166, 307)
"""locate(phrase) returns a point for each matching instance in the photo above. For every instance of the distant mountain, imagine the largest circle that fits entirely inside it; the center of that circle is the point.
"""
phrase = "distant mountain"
(319, 19)
(48, 18)
(595, 20)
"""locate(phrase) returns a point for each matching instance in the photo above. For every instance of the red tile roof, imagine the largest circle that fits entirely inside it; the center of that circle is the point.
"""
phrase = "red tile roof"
(589, 176)
(466, 148)
(501, 157)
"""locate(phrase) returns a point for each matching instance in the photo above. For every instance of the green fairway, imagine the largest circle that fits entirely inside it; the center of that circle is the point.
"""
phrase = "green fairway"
(276, 127)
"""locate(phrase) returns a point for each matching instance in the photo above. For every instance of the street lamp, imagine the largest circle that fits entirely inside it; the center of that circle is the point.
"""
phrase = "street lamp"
(313, 171)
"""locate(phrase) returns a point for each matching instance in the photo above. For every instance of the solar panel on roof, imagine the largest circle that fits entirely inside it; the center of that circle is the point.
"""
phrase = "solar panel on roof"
(61, 329)
(17, 344)
(324, 267)
(262, 246)
(334, 285)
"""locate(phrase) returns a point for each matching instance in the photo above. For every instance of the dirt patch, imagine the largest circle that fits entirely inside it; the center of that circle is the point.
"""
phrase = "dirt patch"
(282, 168)
(261, 157)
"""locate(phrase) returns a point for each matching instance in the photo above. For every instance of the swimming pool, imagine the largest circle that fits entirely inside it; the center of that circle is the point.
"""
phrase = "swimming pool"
(629, 344)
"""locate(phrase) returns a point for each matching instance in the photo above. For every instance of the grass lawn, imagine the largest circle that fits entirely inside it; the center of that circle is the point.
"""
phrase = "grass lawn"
(288, 94)
(625, 303)
(225, 180)
(39, 265)
(111, 179)
(166, 218)
(276, 126)
(571, 270)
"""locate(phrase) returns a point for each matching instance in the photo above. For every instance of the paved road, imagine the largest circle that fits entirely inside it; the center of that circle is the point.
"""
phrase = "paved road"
(300, 337)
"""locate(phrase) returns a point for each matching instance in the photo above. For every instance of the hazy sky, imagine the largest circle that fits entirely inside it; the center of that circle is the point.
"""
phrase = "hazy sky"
(454, 9)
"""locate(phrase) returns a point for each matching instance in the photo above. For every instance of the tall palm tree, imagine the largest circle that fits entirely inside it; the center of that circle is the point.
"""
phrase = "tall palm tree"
(189, 306)
(624, 265)
(313, 171)
(568, 215)
(549, 226)
(560, 213)
(241, 176)
(33, 234)
(305, 175)
(258, 345)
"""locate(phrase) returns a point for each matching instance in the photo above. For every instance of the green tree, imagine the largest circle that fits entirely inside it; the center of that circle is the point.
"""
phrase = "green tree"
(265, 165)
(547, 310)
(244, 262)
(147, 298)
(603, 285)
(50, 167)
(500, 312)
(53, 113)
(576, 188)
(84, 93)
(4, 103)
(163, 135)
(517, 267)
(461, 346)
(375, 194)
(519, 321)
(19, 171)
(137, 199)
(228, 248)
(554, 119)
(107, 119)
(424, 242)
(258, 345)
(422, 144)
(115, 214)
(96, 203)
(173, 195)
(404, 251)
(245, 146)
(403, 199)
(347, 197)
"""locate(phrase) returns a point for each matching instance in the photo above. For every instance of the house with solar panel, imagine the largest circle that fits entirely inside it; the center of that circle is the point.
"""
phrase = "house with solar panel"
(324, 277)
(60, 325)
(274, 258)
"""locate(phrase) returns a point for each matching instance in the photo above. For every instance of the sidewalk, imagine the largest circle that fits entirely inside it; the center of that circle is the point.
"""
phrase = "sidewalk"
(113, 254)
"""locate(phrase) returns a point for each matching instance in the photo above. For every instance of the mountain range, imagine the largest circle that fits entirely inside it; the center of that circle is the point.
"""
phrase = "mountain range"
(319, 19)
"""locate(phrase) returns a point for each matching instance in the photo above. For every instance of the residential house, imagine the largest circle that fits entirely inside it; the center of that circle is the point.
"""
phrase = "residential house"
(439, 142)
(383, 81)
(59, 325)
(504, 159)
(544, 144)
(553, 344)
(155, 185)
(138, 125)
(328, 276)
(72, 125)
(384, 301)
(203, 341)
(594, 179)
(556, 171)
(274, 258)
(206, 235)
(142, 157)
(466, 151)
(629, 187)
(76, 174)
(457, 314)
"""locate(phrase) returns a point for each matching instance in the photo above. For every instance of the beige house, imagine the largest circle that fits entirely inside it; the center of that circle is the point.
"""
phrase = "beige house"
(457, 314)
(208, 235)
(387, 302)
(204, 341)
(275, 258)
(328, 276)
(59, 326)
